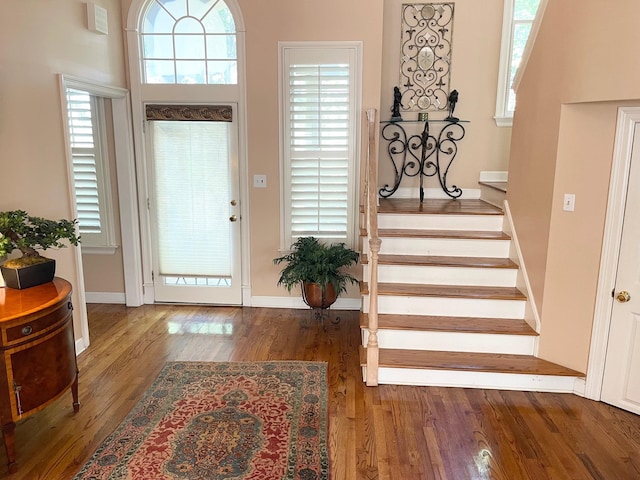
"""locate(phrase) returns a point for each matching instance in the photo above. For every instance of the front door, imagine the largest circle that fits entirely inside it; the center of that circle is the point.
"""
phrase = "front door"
(621, 383)
(195, 212)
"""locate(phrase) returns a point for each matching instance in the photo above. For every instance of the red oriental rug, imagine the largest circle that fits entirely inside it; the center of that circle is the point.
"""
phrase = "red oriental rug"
(222, 421)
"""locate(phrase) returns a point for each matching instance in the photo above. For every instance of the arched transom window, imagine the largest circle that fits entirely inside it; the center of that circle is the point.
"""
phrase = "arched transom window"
(189, 41)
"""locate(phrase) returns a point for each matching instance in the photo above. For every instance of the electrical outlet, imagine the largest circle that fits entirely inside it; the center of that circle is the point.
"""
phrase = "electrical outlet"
(260, 181)
(569, 203)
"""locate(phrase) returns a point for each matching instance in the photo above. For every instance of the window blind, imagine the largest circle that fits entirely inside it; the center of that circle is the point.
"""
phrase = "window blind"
(319, 149)
(81, 109)
(191, 179)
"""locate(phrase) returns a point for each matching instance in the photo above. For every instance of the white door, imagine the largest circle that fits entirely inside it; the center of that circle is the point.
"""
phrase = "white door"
(195, 212)
(621, 383)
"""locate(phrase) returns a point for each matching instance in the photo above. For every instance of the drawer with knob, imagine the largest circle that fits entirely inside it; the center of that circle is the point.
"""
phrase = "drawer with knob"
(31, 327)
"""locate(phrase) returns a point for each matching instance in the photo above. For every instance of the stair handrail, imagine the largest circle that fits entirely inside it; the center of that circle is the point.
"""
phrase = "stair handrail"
(363, 217)
(371, 216)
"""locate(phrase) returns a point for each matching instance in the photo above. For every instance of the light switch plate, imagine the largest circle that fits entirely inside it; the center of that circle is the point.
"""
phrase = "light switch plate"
(569, 202)
(260, 181)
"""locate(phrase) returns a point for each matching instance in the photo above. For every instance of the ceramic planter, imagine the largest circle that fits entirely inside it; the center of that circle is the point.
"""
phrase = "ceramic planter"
(29, 276)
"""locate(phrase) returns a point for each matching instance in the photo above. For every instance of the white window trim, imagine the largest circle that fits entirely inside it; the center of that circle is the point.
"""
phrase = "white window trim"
(285, 233)
(126, 189)
(503, 117)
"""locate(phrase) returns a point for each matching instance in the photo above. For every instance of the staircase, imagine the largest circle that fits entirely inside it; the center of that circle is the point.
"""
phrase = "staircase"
(449, 311)
(493, 187)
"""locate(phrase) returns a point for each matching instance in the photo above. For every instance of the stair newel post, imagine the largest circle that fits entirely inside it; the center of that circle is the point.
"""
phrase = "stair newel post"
(372, 343)
(374, 249)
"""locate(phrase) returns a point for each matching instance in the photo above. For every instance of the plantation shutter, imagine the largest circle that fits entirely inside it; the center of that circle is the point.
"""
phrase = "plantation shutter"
(319, 140)
(84, 150)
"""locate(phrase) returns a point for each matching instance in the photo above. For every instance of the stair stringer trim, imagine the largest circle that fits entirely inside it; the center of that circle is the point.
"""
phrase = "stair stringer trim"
(531, 315)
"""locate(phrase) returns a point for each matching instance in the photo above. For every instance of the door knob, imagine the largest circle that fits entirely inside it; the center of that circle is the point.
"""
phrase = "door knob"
(233, 203)
(623, 296)
(233, 218)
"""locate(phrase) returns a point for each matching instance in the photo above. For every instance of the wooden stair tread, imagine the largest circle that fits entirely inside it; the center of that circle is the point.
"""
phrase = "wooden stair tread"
(469, 361)
(449, 291)
(438, 206)
(500, 186)
(461, 234)
(500, 326)
(442, 261)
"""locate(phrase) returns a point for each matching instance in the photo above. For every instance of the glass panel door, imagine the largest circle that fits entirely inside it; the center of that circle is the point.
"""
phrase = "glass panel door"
(195, 212)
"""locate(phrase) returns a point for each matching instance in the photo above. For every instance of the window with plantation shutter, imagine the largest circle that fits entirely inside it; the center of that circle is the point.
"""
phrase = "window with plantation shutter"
(320, 105)
(90, 173)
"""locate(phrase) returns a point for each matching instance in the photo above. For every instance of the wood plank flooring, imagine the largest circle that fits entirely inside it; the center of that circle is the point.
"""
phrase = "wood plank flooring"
(386, 432)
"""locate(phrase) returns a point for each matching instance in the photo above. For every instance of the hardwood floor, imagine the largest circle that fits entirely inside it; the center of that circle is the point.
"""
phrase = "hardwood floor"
(386, 432)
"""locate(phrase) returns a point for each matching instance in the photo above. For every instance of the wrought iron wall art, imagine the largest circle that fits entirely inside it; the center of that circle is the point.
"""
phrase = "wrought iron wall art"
(425, 56)
(424, 154)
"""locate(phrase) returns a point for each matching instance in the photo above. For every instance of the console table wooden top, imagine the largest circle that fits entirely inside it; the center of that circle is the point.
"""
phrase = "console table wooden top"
(19, 303)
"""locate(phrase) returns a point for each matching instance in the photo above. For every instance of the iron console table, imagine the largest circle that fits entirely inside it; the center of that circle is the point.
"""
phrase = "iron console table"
(423, 154)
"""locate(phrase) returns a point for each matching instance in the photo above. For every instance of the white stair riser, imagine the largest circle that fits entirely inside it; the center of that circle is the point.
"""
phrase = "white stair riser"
(441, 222)
(454, 247)
(453, 341)
(452, 307)
(464, 379)
(496, 277)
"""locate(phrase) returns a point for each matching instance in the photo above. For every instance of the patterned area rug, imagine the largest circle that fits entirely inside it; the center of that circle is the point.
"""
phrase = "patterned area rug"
(222, 421)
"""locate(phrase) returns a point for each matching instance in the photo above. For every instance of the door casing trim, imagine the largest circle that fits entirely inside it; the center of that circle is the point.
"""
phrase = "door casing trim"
(628, 119)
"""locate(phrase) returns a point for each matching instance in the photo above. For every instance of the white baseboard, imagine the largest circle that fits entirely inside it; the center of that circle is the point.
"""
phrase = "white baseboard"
(580, 387)
(296, 302)
(81, 346)
(494, 176)
(259, 301)
(411, 192)
(105, 297)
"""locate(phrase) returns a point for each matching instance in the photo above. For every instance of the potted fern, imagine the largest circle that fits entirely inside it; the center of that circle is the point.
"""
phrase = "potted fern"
(19, 230)
(319, 268)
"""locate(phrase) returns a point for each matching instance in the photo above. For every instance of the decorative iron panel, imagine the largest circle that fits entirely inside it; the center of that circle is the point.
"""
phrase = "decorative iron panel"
(425, 56)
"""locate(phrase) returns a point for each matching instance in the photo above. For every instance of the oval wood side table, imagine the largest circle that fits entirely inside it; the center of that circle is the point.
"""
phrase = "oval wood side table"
(38, 354)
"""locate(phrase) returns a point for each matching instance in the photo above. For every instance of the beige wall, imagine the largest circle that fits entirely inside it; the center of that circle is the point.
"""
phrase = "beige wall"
(38, 40)
(559, 148)
(267, 23)
(477, 30)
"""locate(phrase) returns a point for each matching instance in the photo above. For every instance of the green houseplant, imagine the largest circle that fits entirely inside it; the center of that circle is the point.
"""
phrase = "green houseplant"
(19, 230)
(319, 268)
